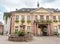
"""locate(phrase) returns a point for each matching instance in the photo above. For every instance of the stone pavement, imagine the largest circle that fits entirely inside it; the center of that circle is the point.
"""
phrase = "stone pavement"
(36, 40)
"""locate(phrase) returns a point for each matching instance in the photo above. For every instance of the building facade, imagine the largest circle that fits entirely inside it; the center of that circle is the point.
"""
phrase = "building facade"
(38, 21)
(1, 28)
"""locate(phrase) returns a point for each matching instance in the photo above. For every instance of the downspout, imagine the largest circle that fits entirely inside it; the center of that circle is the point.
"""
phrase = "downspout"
(10, 24)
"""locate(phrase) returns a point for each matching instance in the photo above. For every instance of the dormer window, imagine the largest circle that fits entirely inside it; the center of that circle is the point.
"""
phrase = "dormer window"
(23, 10)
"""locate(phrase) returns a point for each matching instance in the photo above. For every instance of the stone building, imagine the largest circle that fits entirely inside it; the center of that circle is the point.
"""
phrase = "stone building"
(39, 21)
(1, 28)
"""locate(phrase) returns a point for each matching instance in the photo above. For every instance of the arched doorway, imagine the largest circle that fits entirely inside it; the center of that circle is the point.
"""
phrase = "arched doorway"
(43, 30)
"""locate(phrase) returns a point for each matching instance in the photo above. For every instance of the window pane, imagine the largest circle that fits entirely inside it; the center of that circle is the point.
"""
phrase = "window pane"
(47, 17)
(59, 18)
(17, 17)
(59, 26)
(28, 17)
(54, 17)
(41, 17)
(16, 28)
(28, 28)
(22, 17)
(35, 18)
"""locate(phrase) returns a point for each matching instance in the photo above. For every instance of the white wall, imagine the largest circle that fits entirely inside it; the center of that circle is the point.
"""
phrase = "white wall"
(7, 26)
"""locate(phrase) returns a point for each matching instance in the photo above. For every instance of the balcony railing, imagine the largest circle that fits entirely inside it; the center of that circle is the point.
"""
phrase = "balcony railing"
(42, 21)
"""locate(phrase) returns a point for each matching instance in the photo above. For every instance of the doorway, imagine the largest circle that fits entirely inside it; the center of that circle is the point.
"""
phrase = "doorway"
(43, 29)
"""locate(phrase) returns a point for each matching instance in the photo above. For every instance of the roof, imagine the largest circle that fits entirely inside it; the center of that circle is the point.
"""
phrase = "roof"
(25, 10)
(31, 9)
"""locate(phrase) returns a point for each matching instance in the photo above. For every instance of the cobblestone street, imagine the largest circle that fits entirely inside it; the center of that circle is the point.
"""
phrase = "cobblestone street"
(36, 40)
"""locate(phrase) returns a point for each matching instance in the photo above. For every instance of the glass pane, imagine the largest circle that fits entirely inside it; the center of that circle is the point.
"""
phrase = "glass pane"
(47, 17)
(17, 17)
(35, 18)
(54, 17)
(41, 17)
(28, 17)
(22, 17)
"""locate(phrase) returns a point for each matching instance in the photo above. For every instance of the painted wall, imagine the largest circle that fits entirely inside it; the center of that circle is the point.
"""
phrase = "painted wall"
(7, 27)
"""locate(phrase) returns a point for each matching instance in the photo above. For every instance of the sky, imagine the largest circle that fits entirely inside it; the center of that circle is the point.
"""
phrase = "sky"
(12, 5)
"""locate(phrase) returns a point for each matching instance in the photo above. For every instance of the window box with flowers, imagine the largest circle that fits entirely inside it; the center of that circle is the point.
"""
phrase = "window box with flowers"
(49, 21)
(22, 21)
(55, 21)
(17, 21)
(28, 21)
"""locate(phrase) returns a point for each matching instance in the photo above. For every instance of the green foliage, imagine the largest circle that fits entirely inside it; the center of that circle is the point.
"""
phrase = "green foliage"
(16, 31)
(55, 21)
(28, 21)
(22, 21)
(45, 21)
(21, 33)
(48, 21)
(28, 32)
(36, 21)
(17, 21)
(6, 16)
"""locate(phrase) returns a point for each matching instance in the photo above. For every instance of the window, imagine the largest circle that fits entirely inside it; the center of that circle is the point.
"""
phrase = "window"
(22, 17)
(35, 18)
(17, 17)
(47, 17)
(59, 18)
(54, 17)
(55, 28)
(28, 17)
(59, 26)
(41, 17)
(16, 28)
(28, 28)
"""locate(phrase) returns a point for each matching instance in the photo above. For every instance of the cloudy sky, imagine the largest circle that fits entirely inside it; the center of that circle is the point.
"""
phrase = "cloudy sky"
(11, 5)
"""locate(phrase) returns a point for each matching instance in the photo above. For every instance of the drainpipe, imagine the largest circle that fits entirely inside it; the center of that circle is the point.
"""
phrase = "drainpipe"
(10, 24)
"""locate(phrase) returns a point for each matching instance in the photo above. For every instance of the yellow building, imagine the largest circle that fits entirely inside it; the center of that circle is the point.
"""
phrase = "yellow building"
(39, 21)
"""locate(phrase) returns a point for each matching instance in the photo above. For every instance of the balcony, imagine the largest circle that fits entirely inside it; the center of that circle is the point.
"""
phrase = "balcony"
(42, 21)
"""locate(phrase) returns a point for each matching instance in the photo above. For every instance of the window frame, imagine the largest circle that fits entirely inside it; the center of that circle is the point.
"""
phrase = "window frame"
(59, 18)
(54, 17)
(17, 17)
(47, 17)
(22, 17)
(41, 17)
(28, 28)
(28, 17)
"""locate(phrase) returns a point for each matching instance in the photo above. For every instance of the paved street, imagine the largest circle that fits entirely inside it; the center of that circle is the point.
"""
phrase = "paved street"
(37, 40)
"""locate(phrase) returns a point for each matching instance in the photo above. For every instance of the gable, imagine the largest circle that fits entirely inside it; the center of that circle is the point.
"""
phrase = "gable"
(41, 10)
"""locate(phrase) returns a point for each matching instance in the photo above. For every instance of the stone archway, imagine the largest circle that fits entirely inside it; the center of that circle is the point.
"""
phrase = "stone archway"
(42, 29)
